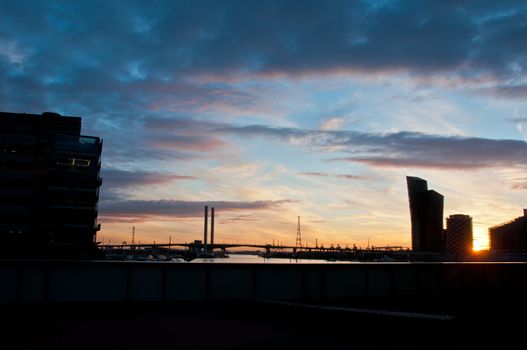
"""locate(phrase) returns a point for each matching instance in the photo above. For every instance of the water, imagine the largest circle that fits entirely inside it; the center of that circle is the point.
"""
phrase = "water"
(254, 259)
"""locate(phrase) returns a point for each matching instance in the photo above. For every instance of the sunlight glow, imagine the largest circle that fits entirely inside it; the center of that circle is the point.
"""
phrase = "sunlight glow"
(481, 240)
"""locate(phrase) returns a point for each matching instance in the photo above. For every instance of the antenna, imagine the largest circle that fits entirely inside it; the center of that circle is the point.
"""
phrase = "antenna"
(133, 234)
(298, 235)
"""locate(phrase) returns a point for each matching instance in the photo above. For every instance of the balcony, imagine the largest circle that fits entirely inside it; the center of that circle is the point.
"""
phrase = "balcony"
(77, 144)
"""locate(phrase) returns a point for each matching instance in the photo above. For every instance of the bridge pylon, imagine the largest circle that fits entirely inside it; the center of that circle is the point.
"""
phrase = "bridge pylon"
(298, 235)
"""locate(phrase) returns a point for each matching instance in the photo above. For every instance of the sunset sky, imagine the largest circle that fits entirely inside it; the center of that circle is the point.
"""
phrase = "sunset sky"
(269, 110)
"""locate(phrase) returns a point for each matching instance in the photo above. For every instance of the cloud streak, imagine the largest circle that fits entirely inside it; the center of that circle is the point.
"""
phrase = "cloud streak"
(341, 176)
(401, 149)
(175, 209)
(116, 178)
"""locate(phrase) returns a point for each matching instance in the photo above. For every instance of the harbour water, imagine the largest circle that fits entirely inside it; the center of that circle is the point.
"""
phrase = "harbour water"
(254, 259)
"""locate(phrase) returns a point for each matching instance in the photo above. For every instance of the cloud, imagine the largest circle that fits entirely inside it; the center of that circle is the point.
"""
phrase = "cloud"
(174, 209)
(182, 134)
(239, 218)
(518, 120)
(332, 123)
(520, 124)
(116, 178)
(516, 91)
(315, 174)
(349, 176)
(401, 149)
(342, 176)
(403, 162)
(132, 41)
(10, 51)
(199, 143)
(519, 186)
(131, 61)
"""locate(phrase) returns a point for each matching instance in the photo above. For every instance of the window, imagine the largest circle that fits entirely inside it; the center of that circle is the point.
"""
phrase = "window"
(74, 162)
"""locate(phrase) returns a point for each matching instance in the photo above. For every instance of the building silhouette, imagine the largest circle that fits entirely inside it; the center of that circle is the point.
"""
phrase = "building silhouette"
(49, 186)
(426, 214)
(511, 235)
(458, 235)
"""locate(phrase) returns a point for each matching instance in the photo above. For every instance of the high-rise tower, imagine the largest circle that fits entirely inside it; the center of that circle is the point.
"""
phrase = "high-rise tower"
(426, 214)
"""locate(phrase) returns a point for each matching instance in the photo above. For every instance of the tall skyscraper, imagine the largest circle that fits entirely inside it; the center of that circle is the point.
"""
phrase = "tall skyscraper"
(426, 214)
(49, 186)
(459, 234)
(511, 235)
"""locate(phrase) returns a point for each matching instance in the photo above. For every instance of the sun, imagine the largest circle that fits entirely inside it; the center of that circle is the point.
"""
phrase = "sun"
(480, 239)
(478, 247)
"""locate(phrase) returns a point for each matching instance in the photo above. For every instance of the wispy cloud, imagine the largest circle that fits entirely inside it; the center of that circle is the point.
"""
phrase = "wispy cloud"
(141, 210)
(520, 186)
(401, 149)
(398, 149)
(520, 124)
(342, 176)
(11, 52)
(332, 123)
(117, 178)
(514, 91)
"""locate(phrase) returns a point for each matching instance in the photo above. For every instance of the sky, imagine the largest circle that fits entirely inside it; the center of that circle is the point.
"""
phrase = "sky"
(269, 110)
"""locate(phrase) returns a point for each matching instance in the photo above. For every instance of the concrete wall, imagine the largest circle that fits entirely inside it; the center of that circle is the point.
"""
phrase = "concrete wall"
(67, 281)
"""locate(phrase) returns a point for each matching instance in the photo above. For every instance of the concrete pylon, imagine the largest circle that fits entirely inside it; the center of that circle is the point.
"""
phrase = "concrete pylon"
(212, 228)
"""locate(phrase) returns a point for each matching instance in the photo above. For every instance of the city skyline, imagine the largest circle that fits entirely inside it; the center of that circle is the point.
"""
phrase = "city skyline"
(269, 111)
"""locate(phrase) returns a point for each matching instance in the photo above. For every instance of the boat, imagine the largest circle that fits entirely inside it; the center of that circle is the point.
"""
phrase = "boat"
(206, 256)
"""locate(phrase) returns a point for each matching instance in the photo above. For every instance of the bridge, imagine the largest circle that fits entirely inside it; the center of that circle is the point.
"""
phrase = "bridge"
(224, 246)
(197, 248)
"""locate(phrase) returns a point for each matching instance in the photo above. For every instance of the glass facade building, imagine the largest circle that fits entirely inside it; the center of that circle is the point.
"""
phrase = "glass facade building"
(510, 236)
(49, 186)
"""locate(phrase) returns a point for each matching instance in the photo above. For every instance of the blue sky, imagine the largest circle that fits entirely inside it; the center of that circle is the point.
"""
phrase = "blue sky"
(272, 109)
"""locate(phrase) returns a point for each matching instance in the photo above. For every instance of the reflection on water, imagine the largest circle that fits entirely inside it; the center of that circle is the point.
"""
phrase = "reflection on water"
(254, 259)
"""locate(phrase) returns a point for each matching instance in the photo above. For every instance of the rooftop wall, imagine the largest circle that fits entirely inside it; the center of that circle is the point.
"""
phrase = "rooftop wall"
(75, 281)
